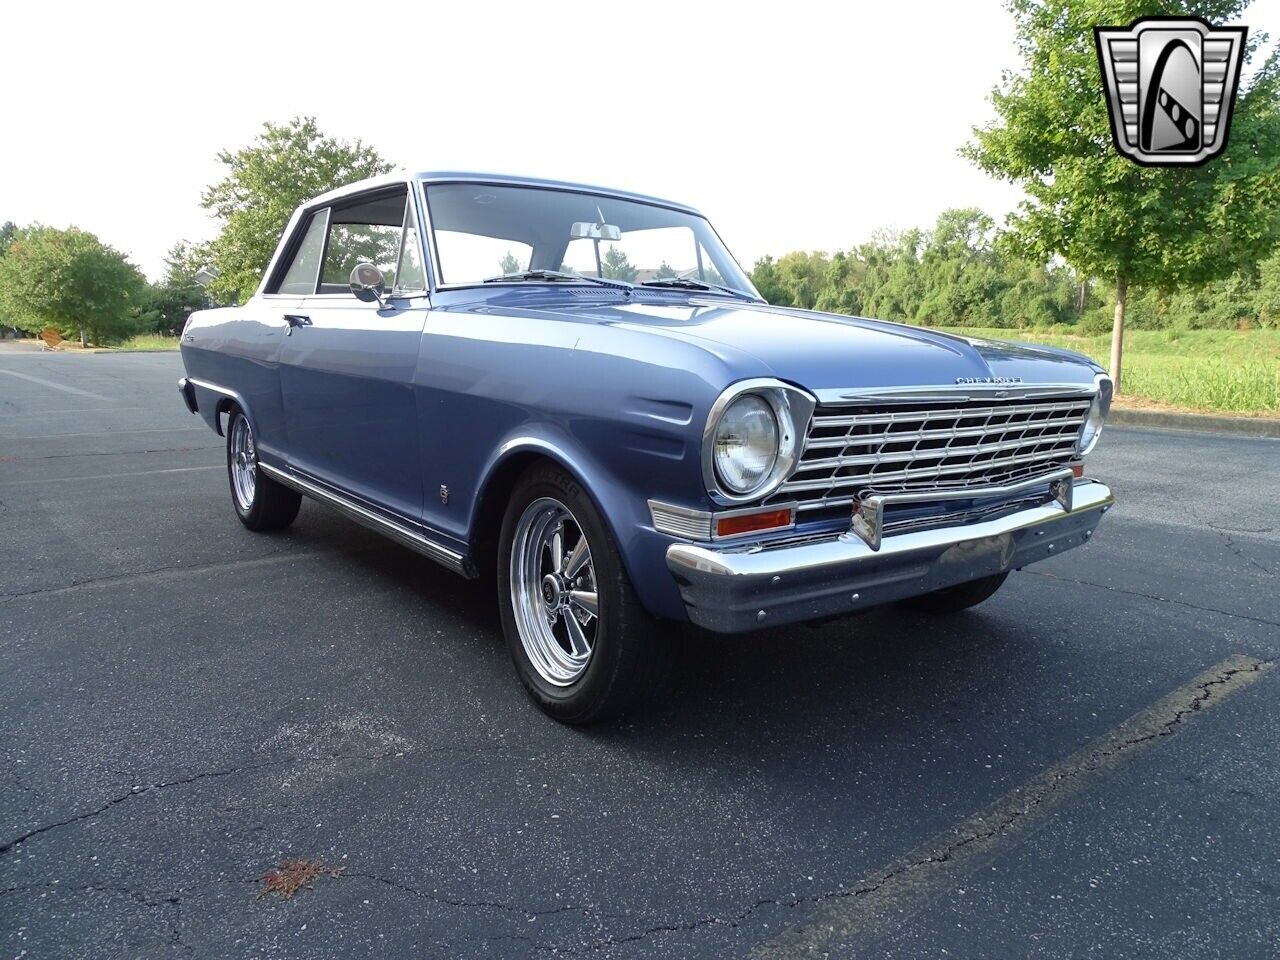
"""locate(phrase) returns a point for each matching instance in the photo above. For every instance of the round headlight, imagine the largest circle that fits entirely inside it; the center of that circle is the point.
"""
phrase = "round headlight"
(746, 444)
(1092, 428)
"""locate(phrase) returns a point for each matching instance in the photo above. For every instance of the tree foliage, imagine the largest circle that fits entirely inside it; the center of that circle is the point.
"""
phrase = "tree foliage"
(171, 301)
(961, 274)
(617, 266)
(265, 182)
(71, 281)
(1157, 228)
(956, 274)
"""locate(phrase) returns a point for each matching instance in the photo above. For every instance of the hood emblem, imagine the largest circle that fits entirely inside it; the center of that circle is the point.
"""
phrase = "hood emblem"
(996, 380)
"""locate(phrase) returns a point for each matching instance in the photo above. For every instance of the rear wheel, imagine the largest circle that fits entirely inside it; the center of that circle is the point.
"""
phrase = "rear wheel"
(960, 597)
(261, 503)
(583, 646)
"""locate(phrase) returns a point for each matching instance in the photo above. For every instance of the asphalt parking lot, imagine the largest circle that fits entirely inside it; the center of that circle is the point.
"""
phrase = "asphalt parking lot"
(1084, 766)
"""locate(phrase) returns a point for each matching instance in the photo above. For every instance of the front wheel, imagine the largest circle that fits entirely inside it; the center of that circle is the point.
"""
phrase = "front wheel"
(582, 645)
(261, 503)
(960, 597)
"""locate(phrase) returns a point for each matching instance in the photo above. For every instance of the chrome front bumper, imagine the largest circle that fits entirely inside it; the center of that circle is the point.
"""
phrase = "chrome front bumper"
(732, 589)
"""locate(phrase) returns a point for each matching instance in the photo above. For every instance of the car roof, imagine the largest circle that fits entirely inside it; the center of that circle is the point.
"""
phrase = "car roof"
(500, 179)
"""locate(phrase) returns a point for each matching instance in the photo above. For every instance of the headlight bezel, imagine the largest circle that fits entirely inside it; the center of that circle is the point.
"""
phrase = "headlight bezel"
(1100, 405)
(792, 409)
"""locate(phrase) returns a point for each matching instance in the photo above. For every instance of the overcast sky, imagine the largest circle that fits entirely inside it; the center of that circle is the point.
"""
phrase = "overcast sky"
(789, 124)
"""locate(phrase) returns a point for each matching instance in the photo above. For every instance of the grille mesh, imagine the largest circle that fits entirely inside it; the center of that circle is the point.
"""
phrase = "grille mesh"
(851, 450)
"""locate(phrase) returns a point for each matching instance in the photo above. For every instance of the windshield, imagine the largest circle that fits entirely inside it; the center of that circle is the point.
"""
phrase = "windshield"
(483, 231)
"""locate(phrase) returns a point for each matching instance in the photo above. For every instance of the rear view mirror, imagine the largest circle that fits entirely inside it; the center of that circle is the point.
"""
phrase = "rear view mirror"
(367, 283)
(594, 231)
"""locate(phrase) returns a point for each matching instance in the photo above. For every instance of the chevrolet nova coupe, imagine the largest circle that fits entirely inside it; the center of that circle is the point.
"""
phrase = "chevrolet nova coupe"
(578, 392)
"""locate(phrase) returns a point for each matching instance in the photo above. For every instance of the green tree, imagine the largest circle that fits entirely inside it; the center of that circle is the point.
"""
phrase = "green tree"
(1102, 213)
(508, 264)
(71, 281)
(617, 266)
(1267, 296)
(265, 182)
(171, 301)
(664, 271)
(7, 231)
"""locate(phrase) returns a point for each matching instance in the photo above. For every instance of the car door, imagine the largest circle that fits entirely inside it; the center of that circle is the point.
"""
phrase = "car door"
(346, 366)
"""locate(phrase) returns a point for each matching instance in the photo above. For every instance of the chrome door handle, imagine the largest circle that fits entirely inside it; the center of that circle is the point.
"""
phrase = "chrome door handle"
(292, 320)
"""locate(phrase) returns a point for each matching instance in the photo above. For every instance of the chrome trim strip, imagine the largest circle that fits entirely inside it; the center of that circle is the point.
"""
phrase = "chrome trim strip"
(868, 516)
(844, 396)
(680, 521)
(874, 419)
(388, 528)
(214, 387)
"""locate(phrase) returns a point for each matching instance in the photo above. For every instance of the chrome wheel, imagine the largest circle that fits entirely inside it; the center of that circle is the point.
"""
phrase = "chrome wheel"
(244, 463)
(553, 591)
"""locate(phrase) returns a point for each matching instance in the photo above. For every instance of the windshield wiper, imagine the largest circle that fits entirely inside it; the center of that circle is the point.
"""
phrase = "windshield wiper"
(557, 275)
(689, 283)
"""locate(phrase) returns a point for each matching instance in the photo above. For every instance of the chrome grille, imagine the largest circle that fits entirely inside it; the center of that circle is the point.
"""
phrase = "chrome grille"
(942, 444)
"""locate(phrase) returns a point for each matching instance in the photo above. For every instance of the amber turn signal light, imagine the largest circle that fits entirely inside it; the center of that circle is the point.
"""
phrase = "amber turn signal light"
(738, 523)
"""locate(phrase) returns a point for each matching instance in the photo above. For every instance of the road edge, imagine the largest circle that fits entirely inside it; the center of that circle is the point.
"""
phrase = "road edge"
(1198, 422)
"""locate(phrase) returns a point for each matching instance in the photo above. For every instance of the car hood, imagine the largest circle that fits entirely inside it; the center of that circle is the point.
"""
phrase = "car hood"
(828, 351)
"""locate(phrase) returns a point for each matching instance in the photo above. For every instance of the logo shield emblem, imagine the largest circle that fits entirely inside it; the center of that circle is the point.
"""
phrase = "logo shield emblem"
(1171, 83)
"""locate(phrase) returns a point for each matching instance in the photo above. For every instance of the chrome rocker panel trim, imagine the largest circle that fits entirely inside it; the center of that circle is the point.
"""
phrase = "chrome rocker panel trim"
(389, 528)
(736, 589)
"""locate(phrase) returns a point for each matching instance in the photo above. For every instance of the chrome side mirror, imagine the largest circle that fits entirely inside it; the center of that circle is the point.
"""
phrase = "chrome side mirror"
(368, 284)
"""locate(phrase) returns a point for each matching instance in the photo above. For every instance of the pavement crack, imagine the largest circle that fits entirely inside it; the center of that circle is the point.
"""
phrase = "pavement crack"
(1239, 551)
(885, 896)
(135, 791)
(1151, 596)
(456, 902)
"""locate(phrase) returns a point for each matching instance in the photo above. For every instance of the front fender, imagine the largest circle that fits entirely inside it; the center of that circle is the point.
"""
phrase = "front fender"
(624, 512)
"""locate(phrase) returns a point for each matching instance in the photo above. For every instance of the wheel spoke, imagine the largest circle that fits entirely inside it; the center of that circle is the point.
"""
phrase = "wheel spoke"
(577, 639)
(585, 600)
(557, 549)
(578, 558)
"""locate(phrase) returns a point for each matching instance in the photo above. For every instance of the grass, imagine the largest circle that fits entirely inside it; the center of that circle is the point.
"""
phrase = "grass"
(1222, 371)
(149, 341)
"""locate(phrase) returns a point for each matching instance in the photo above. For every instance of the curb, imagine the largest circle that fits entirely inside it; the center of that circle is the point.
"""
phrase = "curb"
(1201, 422)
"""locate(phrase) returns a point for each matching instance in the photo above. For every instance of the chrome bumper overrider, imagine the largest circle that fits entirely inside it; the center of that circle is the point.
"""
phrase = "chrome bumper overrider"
(740, 588)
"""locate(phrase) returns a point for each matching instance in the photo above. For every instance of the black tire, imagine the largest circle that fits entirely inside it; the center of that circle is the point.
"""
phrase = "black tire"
(630, 657)
(271, 505)
(960, 597)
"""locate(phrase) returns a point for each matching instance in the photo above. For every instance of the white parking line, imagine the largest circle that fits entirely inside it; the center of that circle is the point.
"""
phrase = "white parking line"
(40, 481)
(56, 386)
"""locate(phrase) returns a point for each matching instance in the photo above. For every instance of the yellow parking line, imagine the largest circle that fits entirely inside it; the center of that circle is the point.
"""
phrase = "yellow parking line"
(885, 898)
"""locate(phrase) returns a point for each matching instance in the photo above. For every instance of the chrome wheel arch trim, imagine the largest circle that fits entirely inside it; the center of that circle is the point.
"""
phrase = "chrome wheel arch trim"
(400, 533)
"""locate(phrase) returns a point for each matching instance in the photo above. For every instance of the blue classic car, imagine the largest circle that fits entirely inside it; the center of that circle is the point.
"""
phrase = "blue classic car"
(578, 392)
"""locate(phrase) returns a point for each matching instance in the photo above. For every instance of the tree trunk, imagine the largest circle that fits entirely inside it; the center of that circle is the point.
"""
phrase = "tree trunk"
(84, 338)
(1117, 330)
